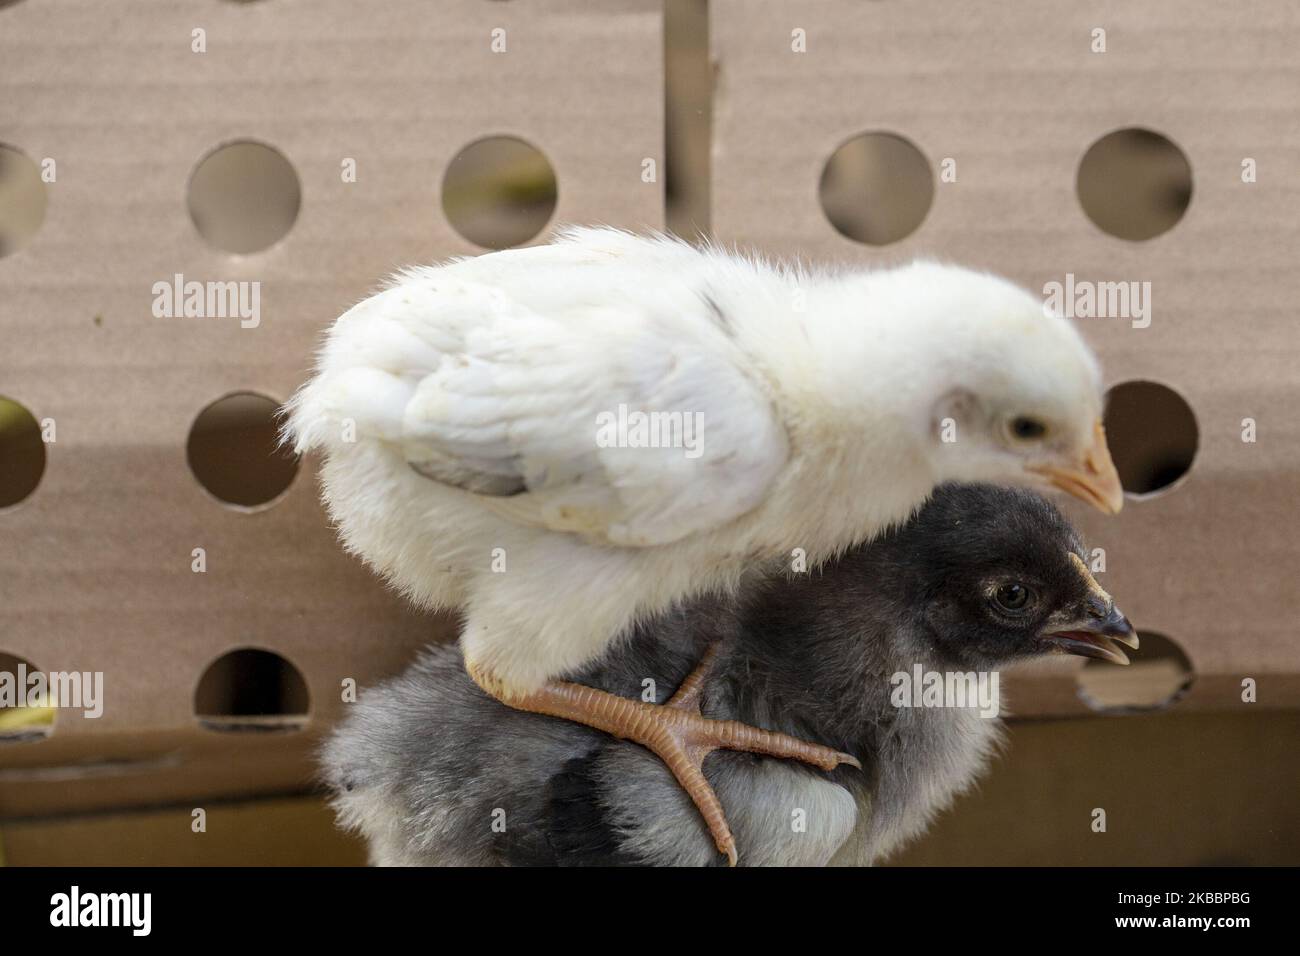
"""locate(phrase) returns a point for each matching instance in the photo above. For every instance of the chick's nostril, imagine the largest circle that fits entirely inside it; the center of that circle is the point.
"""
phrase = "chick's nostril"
(1117, 627)
(1100, 609)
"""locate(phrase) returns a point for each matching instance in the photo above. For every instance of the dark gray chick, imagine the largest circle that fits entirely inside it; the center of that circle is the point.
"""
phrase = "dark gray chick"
(432, 771)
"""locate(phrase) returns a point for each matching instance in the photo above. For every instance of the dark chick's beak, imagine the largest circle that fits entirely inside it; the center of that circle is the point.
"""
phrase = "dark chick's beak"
(1096, 636)
(1093, 628)
(1092, 479)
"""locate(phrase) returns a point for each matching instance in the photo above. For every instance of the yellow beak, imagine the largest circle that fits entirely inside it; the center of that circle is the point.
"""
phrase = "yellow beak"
(1093, 479)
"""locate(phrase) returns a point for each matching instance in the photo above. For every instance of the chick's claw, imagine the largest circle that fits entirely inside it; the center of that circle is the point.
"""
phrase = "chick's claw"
(676, 732)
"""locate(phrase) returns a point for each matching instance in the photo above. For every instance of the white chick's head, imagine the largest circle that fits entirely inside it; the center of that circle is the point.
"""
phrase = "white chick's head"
(1012, 393)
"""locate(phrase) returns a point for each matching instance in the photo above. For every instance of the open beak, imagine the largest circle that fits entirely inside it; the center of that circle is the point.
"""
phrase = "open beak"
(1097, 636)
(1093, 479)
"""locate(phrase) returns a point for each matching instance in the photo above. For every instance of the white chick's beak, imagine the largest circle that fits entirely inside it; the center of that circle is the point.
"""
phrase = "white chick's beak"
(1092, 479)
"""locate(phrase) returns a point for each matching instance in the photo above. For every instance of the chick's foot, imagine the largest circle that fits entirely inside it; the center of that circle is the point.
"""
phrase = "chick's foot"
(674, 731)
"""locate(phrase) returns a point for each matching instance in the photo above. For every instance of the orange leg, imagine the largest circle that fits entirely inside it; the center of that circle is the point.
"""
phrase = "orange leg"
(675, 731)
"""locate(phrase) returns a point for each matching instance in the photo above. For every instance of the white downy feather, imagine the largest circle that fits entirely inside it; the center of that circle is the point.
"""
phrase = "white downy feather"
(458, 413)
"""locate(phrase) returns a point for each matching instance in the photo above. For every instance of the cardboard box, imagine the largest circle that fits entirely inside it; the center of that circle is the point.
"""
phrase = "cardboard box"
(1014, 96)
(1179, 789)
(96, 569)
(96, 566)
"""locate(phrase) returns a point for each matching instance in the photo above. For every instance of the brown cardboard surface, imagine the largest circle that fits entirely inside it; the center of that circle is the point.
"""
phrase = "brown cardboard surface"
(71, 774)
(1012, 92)
(95, 567)
(1034, 808)
(296, 831)
(1178, 789)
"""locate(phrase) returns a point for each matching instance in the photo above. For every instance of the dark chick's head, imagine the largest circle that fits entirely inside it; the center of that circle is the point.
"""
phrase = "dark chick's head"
(998, 574)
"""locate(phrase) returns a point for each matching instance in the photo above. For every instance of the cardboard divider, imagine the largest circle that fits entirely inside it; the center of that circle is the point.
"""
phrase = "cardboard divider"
(96, 565)
(1014, 96)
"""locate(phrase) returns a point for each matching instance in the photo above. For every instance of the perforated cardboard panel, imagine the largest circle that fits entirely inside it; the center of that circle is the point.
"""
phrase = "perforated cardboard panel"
(95, 566)
(1014, 94)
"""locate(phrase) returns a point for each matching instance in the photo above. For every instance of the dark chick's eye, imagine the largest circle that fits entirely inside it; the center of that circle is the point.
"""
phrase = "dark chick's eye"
(1027, 429)
(1012, 597)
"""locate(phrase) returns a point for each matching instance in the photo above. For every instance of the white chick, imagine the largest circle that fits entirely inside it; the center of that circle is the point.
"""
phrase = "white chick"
(470, 419)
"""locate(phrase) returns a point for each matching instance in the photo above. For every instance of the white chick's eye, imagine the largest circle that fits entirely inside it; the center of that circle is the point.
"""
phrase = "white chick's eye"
(1026, 428)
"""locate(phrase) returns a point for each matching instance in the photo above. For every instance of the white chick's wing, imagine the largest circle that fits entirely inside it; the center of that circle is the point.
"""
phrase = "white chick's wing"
(615, 423)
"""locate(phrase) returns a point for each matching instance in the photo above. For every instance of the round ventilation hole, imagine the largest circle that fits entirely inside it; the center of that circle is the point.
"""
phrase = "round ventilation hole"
(1134, 184)
(22, 199)
(1158, 676)
(499, 191)
(26, 714)
(235, 453)
(22, 453)
(244, 197)
(1152, 435)
(876, 188)
(251, 689)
